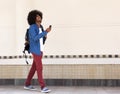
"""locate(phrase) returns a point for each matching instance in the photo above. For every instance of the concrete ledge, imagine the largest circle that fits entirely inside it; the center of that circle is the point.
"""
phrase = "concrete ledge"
(55, 61)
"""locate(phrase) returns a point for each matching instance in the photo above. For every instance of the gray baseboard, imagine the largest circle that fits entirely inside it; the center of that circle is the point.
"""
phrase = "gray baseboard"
(65, 82)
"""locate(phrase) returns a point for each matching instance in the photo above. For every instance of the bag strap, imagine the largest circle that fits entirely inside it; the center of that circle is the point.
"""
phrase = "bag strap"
(24, 54)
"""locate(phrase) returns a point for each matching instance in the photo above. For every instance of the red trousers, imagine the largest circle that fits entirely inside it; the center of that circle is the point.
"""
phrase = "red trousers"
(36, 66)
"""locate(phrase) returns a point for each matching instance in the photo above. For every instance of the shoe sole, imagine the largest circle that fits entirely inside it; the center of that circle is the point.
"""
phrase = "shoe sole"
(46, 91)
(29, 88)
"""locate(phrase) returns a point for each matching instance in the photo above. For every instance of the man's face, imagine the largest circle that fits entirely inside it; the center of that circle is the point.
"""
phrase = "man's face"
(38, 19)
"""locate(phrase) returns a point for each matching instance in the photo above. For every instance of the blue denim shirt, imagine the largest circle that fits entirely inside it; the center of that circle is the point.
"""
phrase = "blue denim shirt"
(34, 39)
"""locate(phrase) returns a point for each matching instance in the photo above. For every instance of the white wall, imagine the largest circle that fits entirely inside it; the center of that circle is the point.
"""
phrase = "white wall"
(79, 26)
(7, 27)
(82, 26)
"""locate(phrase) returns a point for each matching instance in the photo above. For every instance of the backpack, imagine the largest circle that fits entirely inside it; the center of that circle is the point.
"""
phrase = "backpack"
(27, 45)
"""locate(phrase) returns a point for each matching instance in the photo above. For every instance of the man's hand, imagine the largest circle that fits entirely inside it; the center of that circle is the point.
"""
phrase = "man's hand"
(49, 28)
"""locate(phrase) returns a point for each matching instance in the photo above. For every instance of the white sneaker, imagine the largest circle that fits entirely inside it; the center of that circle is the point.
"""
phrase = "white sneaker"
(30, 87)
(45, 90)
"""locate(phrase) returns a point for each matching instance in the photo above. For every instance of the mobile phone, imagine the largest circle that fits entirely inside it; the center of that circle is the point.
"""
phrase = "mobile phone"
(50, 26)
